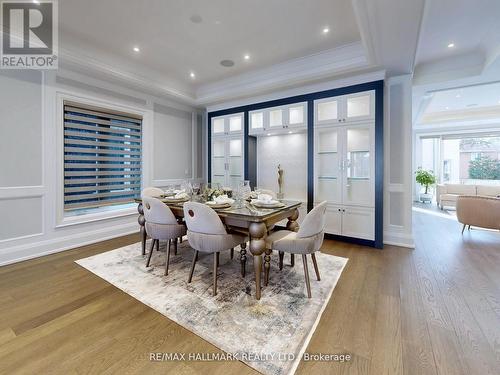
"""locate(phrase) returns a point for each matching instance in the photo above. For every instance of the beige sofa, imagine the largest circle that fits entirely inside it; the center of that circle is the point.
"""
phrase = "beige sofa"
(478, 211)
(447, 194)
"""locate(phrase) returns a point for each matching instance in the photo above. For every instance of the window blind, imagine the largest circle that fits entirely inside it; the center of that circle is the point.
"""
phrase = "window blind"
(102, 156)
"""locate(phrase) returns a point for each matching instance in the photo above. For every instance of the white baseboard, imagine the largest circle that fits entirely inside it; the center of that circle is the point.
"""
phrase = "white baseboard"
(399, 239)
(37, 249)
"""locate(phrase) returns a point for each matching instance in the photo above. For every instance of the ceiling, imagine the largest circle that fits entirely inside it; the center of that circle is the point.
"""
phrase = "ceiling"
(457, 84)
(179, 37)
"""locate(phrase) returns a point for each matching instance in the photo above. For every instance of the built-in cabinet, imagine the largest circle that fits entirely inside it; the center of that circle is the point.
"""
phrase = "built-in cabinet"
(227, 150)
(276, 120)
(343, 155)
(344, 168)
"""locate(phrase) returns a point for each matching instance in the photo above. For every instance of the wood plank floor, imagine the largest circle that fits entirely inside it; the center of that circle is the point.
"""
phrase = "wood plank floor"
(431, 310)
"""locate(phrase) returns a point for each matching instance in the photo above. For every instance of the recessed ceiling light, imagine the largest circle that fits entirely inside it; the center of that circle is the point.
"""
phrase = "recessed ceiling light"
(289, 132)
(227, 63)
(451, 45)
(136, 49)
(326, 30)
(192, 75)
(36, 2)
(246, 57)
(268, 134)
(447, 107)
(217, 22)
(458, 96)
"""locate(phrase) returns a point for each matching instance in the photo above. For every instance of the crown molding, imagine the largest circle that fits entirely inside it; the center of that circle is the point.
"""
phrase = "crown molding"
(327, 63)
(85, 64)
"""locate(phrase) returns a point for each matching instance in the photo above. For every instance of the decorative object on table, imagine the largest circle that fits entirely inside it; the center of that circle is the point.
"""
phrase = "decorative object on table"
(280, 194)
(426, 179)
(209, 192)
(283, 321)
(228, 191)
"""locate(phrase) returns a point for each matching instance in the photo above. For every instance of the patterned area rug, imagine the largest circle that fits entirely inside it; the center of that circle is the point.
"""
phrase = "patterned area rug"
(259, 333)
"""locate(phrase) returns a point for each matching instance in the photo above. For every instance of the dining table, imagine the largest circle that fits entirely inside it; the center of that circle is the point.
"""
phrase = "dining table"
(248, 219)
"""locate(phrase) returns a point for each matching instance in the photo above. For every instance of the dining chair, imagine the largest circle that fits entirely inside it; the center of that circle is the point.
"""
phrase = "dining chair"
(307, 240)
(152, 192)
(206, 233)
(161, 225)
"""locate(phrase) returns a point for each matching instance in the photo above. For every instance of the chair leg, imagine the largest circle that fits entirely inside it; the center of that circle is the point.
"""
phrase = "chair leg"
(463, 228)
(151, 252)
(306, 273)
(168, 260)
(157, 245)
(281, 255)
(292, 260)
(232, 252)
(175, 246)
(216, 261)
(468, 227)
(195, 258)
(313, 256)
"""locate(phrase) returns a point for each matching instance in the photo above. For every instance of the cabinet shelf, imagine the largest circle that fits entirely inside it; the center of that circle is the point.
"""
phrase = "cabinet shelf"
(326, 152)
(327, 178)
(358, 178)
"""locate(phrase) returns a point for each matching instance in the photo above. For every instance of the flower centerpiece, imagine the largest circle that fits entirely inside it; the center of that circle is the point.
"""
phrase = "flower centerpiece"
(209, 193)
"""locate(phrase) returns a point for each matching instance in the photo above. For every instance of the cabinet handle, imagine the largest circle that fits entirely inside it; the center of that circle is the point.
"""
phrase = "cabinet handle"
(340, 120)
(340, 210)
(343, 210)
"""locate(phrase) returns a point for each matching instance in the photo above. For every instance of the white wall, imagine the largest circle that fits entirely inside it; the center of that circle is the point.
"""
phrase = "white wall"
(289, 150)
(32, 223)
(397, 146)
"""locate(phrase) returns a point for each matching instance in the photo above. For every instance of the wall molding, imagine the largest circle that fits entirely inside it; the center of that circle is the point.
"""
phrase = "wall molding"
(32, 250)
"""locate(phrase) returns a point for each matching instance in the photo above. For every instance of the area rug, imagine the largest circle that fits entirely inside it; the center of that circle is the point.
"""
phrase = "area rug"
(270, 335)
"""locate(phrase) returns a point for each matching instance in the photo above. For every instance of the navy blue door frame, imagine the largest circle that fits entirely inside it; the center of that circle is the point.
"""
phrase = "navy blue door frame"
(249, 144)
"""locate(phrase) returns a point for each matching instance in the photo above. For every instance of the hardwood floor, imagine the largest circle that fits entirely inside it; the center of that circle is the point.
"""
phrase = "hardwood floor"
(431, 310)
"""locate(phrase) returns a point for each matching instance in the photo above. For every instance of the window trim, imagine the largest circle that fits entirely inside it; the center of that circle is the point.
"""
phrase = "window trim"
(114, 106)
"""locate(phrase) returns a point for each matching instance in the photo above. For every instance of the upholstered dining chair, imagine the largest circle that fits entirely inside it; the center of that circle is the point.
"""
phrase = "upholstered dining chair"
(161, 225)
(206, 233)
(306, 241)
(152, 192)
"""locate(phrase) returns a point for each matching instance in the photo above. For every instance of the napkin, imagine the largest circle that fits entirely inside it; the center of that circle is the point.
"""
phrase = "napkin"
(178, 191)
(266, 198)
(181, 195)
(221, 199)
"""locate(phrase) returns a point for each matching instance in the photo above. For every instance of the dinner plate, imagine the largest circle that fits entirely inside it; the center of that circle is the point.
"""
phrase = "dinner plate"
(271, 204)
(217, 205)
(174, 200)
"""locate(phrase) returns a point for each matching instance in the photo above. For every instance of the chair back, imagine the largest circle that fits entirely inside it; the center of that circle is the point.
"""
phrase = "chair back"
(314, 222)
(157, 212)
(200, 218)
(151, 192)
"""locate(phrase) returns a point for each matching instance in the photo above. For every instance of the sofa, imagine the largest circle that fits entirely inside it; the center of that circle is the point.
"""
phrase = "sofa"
(447, 194)
(478, 211)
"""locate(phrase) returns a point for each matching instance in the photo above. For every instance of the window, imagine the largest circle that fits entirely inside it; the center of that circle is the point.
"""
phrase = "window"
(102, 157)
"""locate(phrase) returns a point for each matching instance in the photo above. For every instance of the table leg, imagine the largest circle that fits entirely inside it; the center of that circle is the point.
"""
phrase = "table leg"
(258, 232)
(142, 221)
(243, 258)
(267, 266)
(294, 227)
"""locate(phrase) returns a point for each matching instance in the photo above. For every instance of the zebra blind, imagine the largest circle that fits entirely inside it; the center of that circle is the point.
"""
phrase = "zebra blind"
(102, 156)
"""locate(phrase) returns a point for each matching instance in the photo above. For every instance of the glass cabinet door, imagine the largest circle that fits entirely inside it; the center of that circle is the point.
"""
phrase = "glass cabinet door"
(328, 111)
(256, 122)
(219, 164)
(218, 126)
(236, 124)
(360, 106)
(235, 163)
(358, 184)
(276, 118)
(328, 176)
(296, 115)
